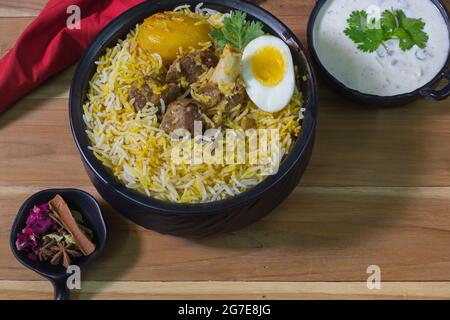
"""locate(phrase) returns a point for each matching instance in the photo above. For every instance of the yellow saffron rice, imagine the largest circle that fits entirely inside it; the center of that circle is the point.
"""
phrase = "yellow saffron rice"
(139, 154)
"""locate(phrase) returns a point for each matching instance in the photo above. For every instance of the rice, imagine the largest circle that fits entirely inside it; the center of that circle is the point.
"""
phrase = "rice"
(138, 153)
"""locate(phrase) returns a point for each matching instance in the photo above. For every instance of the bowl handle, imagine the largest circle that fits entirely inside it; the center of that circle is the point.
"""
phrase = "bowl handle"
(442, 94)
(61, 290)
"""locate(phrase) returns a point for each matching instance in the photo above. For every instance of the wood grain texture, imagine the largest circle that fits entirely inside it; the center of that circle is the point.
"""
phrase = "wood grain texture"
(21, 8)
(318, 234)
(377, 191)
(10, 29)
(230, 290)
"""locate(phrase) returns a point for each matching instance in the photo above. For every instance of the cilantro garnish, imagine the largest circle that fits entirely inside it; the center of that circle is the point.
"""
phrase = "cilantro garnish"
(393, 25)
(236, 31)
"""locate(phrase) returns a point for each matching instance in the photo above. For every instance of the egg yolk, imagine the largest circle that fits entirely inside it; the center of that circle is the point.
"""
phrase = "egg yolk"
(268, 66)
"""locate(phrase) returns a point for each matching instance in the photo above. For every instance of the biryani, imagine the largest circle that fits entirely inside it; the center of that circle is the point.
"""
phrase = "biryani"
(200, 74)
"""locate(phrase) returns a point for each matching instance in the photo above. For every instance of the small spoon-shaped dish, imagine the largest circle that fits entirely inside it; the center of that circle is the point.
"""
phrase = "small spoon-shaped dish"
(92, 215)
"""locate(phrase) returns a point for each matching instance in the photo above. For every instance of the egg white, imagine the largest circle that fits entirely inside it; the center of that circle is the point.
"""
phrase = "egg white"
(268, 98)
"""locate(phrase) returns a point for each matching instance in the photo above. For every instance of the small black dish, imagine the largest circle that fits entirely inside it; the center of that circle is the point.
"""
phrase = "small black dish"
(92, 213)
(204, 218)
(375, 100)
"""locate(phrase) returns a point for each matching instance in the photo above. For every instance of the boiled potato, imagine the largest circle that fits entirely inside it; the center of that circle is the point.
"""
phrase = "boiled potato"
(166, 32)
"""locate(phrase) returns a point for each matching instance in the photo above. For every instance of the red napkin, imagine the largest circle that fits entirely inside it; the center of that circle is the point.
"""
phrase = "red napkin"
(48, 46)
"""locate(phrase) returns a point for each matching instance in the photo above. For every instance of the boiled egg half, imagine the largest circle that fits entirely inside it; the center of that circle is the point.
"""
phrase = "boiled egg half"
(268, 73)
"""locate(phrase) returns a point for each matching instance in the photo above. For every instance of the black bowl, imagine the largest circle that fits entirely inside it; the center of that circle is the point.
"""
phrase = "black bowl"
(375, 100)
(194, 219)
(92, 214)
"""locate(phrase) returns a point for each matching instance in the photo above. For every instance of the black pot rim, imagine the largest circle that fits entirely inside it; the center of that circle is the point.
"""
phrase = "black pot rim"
(101, 172)
(424, 91)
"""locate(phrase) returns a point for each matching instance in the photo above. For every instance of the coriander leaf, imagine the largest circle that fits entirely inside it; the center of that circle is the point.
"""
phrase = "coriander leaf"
(219, 37)
(355, 34)
(357, 24)
(374, 38)
(367, 40)
(236, 31)
(406, 42)
(388, 23)
(414, 29)
(358, 20)
(253, 31)
(393, 24)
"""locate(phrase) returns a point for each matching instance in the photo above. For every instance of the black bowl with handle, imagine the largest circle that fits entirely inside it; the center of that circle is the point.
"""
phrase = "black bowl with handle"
(428, 90)
(93, 218)
(205, 218)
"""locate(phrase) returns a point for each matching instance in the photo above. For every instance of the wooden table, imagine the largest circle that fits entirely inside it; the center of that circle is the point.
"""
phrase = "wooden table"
(377, 192)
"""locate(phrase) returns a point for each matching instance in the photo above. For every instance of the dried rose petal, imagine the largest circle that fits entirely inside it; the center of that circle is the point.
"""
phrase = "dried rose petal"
(22, 242)
(33, 216)
(28, 231)
(34, 241)
(41, 226)
(44, 208)
(39, 220)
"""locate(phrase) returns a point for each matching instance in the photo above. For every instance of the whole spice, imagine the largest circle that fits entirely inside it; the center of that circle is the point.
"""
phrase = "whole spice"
(54, 233)
(44, 252)
(63, 215)
(63, 251)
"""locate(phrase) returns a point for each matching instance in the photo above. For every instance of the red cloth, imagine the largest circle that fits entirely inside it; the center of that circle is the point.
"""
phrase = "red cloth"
(47, 46)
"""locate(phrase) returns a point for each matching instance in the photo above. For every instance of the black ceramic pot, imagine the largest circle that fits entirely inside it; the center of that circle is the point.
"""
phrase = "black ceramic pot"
(195, 219)
(369, 99)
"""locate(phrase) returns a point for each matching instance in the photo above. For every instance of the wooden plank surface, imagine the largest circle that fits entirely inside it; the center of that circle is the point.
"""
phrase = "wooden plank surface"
(21, 8)
(230, 290)
(377, 191)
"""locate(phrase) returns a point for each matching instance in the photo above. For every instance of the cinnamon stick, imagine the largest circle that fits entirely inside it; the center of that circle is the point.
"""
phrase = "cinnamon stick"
(63, 214)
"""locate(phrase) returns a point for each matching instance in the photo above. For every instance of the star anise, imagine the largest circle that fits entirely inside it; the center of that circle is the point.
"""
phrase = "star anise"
(45, 252)
(64, 252)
